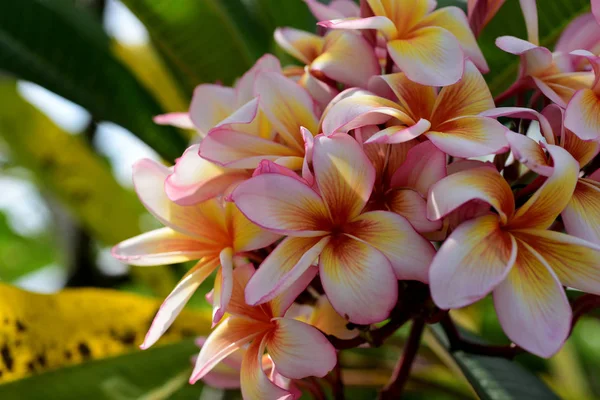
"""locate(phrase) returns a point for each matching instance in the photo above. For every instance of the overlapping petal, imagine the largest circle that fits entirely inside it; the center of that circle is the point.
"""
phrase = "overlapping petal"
(210, 105)
(425, 165)
(246, 235)
(304, 46)
(412, 206)
(382, 24)
(415, 99)
(583, 115)
(529, 153)
(223, 284)
(582, 215)
(335, 9)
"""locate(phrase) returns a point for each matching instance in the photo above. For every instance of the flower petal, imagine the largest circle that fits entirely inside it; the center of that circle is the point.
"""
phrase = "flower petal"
(302, 45)
(582, 215)
(229, 336)
(524, 113)
(455, 21)
(282, 302)
(415, 99)
(404, 13)
(412, 206)
(320, 91)
(529, 152)
(177, 299)
(482, 183)
(326, 319)
(283, 267)
(400, 134)
(382, 24)
(548, 201)
(179, 119)
(529, 9)
(195, 179)
(287, 106)
(469, 137)
(358, 280)
(336, 9)
(431, 56)
(247, 236)
(254, 383)
(583, 151)
(473, 260)
(583, 115)
(575, 261)
(210, 105)
(244, 87)
(237, 303)
(424, 165)
(344, 174)
(409, 253)
(532, 306)
(300, 350)
(223, 285)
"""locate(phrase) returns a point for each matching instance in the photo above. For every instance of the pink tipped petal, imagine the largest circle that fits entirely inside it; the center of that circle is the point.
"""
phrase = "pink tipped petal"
(529, 153)
(223, 285)
(595, 62)
(529, 9)
(283, 267)
(304, 46)
(344, 174)
(481, 12)
(300, 350)
(575, 261)
(287, 106)
(483, 183)
(455, 21)
(322, 92)
(210, 105)
(400, 134)
(177, 119)
(228, 337)
(581, 33)
(548, 201)
(254, 383)
(583, 115)
(408, 252)
(583, 151)
(432, 56)
(309, 142)
(514, 45)
(425, 165)
(582, 215)
(469, 137)
(247, 236)
(281, 303)
(596, 9)
(358, 280)
(335, 10)
(195, 179)
(347, 48)
(177, 299)
(524, 113)
(412, 206)
(415, 99)
(382, 24)
(473, 260)
(244, 87)
(531, 305)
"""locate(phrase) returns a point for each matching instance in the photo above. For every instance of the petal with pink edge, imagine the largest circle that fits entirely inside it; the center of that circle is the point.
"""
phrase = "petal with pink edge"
(244, 87)
(382, 24)
(532, 306)
(282, 204)
(455, 21)
(483, 183)
(529, 153)
(415, 99)
(473, 260)
(283, 267)
(254, 383)
(409, 253)
(195, 179)
(431, 56)
(529, 9)
(326, 319)
(280, 304)
(237, 304)
(575, 261)
(400, 134)
(210, 105)
(583, 115)
(322, 92)
(583, 151)
(177, 299)
(344, 174)
(358, 280)
(336, 9)
(300, 350)
(582, 215)
(469, 137)
(412, 206)
(247, 236)
(178, 119)
(304, 46)
(229, 336)
(223, 285)
(424, 166)
(524, 113)
(548, 201)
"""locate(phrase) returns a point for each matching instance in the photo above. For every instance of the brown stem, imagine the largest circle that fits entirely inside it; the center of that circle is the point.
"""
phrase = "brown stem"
(508, 93)
(583, 305)
(394, 388)
(389, 64)
(337, 385)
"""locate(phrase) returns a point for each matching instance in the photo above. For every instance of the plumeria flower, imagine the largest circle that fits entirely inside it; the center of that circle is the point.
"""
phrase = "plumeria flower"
(513, 254)
(539, 66)
(210, 232)
(361, 254)
(428, 46)
(297, 350)
(449, 118)
(481, 12)
(583, 33)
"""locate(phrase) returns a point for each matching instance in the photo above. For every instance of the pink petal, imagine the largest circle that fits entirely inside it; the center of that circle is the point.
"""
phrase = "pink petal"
(414, 99)
(582, 32)
(177, 299)
(529, 153)
(177, 119)
(344, 174)
(523, 113)
(304, 46)
(358, 280)
(244, 87)
(237, 303)
(327, 320)
(408, 252)
(247, 236)
(531, 305)
(400, 134)
(483, 183)
(531, 20)
(425, 165)
(582, 215)
(382, 24)
(195, 179)
(336, 9)
(320, 91)
(280, 304)
(223, 285)
(583, 115)
(282, 204)
(412, 206)
(283, 267)
(596, 9)
(210, 105)
(300, 350)
(432, 56)
(473, 260)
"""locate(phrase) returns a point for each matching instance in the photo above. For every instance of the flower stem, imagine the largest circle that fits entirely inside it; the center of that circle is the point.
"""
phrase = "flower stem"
(508, 93)
(394, 388)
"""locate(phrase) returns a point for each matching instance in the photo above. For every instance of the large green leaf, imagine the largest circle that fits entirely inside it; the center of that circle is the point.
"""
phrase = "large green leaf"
(158, 373)
(553, 16)
(495, 378)
(65, 50)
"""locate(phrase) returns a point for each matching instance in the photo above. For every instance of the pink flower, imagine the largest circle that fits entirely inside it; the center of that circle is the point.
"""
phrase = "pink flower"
(361, 254)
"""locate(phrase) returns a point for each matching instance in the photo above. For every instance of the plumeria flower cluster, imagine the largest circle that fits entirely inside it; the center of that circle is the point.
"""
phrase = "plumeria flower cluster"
(317, 194)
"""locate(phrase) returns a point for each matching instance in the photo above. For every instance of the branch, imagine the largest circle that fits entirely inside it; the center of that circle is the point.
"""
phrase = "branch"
(394, 388)
(583, 305)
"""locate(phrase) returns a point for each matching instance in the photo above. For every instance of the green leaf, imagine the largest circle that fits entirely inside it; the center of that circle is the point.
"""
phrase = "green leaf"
(553, 17)
(157, 373)
(64, 49)
(495, 378)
